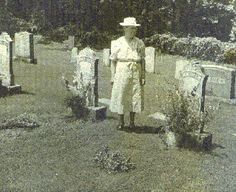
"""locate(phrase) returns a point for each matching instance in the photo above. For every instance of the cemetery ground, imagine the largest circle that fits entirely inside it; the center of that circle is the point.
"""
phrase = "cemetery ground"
(58, 155)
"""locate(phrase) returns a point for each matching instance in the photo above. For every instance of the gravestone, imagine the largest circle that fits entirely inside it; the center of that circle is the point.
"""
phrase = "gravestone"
(221, 81)
(70, 42)
(6, 65)
(150, 59)
(193, 84)
(106, 55)
(179, 66)
(24, 46)
(74, 53)
(85, 83)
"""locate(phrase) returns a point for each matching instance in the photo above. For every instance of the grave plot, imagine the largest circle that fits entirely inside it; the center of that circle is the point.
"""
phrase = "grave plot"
(85, 86)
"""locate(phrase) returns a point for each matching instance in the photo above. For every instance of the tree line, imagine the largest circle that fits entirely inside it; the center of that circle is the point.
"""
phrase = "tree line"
(180, 17)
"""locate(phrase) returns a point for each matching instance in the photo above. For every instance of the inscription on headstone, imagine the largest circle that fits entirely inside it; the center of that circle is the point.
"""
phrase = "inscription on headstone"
(180, 64)
(193, 83)
(221, 82)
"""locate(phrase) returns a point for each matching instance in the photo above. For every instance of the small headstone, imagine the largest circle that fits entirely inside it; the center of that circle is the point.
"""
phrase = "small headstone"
(106, 55)
(180, 64)
(24, 46)
(150, 59)
(74, 53)
(71, 42)
(221, 81)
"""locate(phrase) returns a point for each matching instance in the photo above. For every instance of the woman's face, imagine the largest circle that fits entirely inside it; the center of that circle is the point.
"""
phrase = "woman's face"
(130, 31)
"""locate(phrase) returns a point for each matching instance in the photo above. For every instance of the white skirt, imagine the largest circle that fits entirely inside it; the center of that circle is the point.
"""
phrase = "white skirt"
(127, 92)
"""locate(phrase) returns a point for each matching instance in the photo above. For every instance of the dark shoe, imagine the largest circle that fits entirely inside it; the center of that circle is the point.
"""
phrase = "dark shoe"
(120, 127)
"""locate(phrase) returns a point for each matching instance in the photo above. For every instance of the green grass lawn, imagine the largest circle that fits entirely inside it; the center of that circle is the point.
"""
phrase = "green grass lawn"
(58, 155)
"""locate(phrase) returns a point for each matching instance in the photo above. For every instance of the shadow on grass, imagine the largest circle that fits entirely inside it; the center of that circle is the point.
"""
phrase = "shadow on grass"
(209, 150)
(214, 153)
(26, 93)
(143, 130)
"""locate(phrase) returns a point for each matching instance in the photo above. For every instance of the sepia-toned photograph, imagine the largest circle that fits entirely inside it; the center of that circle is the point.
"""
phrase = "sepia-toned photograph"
(117, 95)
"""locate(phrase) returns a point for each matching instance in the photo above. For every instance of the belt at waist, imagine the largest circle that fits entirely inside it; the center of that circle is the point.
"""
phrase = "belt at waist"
(128, 60)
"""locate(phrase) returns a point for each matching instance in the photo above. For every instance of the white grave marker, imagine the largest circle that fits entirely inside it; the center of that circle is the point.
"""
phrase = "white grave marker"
(74, 53)
(6, 67)
(24, 46)
(106, 55)
(150, 59)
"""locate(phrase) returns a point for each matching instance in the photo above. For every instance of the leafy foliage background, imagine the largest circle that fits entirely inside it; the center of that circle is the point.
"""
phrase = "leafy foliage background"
(75, 17)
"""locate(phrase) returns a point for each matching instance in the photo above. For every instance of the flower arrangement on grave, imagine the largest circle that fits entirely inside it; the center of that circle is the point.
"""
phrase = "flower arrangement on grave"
(183, 120)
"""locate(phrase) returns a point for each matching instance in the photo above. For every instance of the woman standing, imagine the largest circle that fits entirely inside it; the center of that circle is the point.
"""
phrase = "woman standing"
(127, 73)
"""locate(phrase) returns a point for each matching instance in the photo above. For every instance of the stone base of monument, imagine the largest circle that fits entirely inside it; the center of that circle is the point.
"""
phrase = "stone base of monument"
(10, 90)
(97, 113)
(14, 89)
(33, 61)
(202, 141)
(26, 60)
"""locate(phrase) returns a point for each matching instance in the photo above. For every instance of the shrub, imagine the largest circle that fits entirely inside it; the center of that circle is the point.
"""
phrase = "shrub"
(112, 162)
(182, 115)
(230, 56)
(77, 105)
(24, 120)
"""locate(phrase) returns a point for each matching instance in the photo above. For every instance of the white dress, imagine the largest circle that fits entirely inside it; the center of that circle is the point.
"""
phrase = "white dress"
(127, 91)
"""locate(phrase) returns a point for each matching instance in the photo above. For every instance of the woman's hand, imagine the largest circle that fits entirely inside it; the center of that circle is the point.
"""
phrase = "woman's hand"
(143, 82)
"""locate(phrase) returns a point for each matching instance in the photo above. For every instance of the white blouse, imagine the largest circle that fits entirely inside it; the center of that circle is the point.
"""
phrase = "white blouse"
(124, 51)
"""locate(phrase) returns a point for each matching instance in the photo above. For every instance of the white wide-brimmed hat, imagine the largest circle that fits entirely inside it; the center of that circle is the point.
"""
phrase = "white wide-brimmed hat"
(130, 21)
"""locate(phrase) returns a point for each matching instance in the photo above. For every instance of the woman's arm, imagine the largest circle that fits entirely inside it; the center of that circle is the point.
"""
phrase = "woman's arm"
(113, 70)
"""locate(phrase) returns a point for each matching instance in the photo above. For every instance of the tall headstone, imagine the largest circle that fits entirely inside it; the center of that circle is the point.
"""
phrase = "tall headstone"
(6, 64)
(87, 75)
(150, 59)
(85, 83)
(193, 83)
(6, 68)
(24, 46)
(74, 53)
(106, 55)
